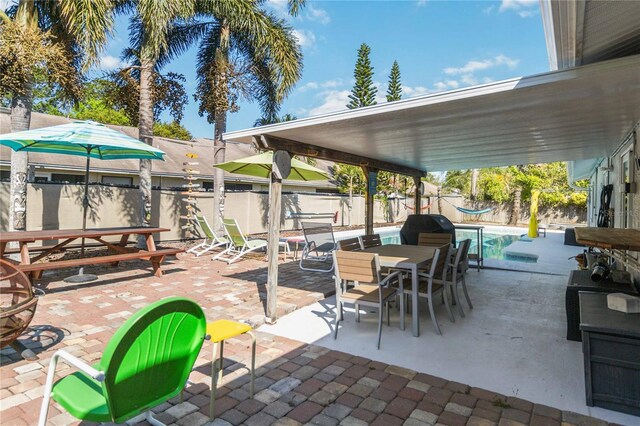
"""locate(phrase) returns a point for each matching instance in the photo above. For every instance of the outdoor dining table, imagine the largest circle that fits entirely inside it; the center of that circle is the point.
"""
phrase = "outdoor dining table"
(411, 258)
(64, 237)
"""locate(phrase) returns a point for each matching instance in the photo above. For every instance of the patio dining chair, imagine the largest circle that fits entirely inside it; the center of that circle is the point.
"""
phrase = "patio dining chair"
(146, 363)
(319, 246)
(211, 240)
(455, 273)
(368, 241)
(350, 244)
(428, 288)
(433, 239)
(240, 245)
(372, 290)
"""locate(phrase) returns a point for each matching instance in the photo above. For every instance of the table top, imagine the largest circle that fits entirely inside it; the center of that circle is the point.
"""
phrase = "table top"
(595, 316)
(57, 234)
(609, 238)
(402, 255)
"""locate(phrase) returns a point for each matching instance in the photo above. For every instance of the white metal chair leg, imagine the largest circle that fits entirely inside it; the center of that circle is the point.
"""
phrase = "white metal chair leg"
(152, 420)
(253, 363)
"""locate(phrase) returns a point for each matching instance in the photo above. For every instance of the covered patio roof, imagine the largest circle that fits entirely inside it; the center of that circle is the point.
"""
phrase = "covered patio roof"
(580, 113)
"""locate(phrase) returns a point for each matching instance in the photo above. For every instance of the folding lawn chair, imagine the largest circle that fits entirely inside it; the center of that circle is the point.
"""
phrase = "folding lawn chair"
(211, 240)
(320, 244)
(239, 245)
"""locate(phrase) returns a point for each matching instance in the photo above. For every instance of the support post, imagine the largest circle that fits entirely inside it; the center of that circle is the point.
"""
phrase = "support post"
(418, 195)
(370, 190)
(280, 169)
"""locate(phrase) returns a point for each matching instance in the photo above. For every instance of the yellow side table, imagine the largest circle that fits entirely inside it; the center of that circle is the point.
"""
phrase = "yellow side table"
(219, 331)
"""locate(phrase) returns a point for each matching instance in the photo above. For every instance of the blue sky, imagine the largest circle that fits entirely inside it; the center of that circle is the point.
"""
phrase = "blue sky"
(439, 45)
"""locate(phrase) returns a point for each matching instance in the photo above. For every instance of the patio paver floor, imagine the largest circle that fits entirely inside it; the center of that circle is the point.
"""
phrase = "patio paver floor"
(296, 383)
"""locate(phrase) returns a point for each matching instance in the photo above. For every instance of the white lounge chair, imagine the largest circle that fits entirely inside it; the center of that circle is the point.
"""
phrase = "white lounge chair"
(239, 245)
(211, 240)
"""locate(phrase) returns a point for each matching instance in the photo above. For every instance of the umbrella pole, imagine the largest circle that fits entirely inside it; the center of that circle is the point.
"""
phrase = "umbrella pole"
(82, 277)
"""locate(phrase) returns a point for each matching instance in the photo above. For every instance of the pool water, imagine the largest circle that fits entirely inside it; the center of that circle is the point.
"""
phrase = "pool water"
(493, 246)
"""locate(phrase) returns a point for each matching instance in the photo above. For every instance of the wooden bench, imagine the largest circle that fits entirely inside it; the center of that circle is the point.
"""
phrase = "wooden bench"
(155, 257)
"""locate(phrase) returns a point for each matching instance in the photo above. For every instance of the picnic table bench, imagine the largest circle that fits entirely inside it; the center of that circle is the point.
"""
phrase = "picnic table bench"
(118, 250)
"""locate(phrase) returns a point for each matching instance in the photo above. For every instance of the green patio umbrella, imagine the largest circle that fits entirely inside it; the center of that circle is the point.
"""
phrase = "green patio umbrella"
(260, 166)
(86, 138)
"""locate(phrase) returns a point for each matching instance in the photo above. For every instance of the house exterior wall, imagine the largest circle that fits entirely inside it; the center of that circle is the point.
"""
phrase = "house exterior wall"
(629, 149)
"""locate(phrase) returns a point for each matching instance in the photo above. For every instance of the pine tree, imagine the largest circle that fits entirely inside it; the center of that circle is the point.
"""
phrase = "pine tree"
(394, 91)
(363, 92)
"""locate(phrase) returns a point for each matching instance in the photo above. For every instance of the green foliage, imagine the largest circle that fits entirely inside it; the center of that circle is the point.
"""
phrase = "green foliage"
(363, 92)
(499, 183)
(394, 91)
(433, 179)
(349, 177)
(458, 181)
(27, 52)
(172, 130)
(96, 109)
(122, 91)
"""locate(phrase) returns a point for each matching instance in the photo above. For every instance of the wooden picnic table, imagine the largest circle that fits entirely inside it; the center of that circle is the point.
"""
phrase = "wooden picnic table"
(411, 258)
(28, 262)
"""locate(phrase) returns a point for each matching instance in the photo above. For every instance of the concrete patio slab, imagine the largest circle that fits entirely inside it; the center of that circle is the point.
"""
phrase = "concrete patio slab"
(512, 343)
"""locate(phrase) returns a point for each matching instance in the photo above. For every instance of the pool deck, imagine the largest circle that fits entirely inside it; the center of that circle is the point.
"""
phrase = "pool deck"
(299, 382)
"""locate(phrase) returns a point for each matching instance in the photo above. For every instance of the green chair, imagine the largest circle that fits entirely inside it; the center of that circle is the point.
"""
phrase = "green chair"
(211, 240)
(146, 363)
(239, 245)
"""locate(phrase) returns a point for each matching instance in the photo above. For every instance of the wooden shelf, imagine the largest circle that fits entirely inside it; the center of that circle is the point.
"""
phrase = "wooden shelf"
(616, 242)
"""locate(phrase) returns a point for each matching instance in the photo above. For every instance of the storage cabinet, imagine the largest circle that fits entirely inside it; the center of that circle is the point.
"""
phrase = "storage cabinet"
(611, 349)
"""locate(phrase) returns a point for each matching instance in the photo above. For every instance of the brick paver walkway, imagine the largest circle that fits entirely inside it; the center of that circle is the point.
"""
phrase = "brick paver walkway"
(296, 383)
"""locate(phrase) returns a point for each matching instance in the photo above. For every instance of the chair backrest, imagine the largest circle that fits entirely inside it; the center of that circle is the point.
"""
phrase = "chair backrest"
(433, 239)
(234, 233)
(149, 359)
(204, 225)
(372, 240)
(318, 232)
(356, 266)
(440, 261)
(462, 257)
(350, 244)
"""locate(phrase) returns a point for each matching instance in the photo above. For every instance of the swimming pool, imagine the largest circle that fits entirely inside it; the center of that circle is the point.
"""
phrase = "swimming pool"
(493, 245)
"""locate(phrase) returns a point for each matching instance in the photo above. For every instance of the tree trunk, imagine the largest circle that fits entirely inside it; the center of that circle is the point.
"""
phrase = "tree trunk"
(219, 147)
(439, 200)
(145, 129)
(474, 184)
(20, 120)
(515, 213)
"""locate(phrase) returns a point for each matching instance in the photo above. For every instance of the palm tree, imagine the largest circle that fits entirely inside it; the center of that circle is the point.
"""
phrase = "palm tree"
(60, 39)
(244, 52)
(151, 22)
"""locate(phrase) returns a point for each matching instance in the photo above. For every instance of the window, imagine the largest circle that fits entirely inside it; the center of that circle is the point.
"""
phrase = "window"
(5, 175)
(117, 180)
(61, 177)
(238, 187)
(41, 179)
(625, 182)
(207, 185)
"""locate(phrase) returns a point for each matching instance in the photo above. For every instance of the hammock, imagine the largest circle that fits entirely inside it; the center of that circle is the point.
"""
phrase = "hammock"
(468, 211)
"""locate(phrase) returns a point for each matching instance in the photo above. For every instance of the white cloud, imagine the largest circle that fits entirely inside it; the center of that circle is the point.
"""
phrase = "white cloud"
(410, 92)
(332, 100)
(108, 62)
(421, 3)
(305, 38)
(473, 66)
(524, 8)
(317, 15)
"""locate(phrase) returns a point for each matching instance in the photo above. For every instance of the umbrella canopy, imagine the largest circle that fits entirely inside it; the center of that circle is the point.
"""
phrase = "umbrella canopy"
(260, 166)
(78, 138)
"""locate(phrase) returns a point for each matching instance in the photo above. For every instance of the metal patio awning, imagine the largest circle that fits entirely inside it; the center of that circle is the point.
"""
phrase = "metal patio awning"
(575, 114)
